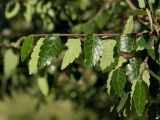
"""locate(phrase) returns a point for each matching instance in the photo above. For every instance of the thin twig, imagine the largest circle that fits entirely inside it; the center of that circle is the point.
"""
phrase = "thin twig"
(131, 5)
(101, 34)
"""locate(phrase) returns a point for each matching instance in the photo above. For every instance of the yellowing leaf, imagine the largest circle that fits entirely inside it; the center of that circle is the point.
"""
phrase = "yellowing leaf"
(43, 85)
(74, 49)
(129, 26)
(141, 3)
(10, 63)
(107, 53)
(146, 77)
(34, 57)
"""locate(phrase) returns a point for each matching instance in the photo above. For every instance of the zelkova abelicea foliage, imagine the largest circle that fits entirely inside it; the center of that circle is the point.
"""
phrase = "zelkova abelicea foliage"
(119, 55)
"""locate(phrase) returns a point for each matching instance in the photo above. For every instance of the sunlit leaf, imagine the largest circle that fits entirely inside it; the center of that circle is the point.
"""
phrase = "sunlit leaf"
(92, 49)
(34, 57)
(12, 9)
(10, 63)
(129, 26)
(74, 49)
(26, 47)
(49, 50)
(146, 77)
(118, 81)
(125, 43)
(141, 3)
(107, 53)
(133, 69)
(139, 97)
(43, 85)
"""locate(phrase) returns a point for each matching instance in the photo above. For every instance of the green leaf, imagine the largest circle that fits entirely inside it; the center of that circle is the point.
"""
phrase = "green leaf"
(88, 27)
(141, 3)
(49, 50)
(151, 52)
(92, 49)
(118, 81)
(34, 57)
(129, 26)
(10, 63)
(43, 85)
(107, 53)
(121, 60)
(139, 12)
(133, 68)
(26, 47)
(146, 77)
(123, 101)
(150, 18)
(101, 19)
(125, 43)
(139, 97)
(134, 82)
(140, 43)
(73, 52)
(12, 9)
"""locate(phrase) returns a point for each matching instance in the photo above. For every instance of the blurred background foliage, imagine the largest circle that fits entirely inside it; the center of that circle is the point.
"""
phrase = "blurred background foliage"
(77, 93)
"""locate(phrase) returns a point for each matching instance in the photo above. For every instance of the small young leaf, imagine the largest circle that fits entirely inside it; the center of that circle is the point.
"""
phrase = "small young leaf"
(125, 43)
(49, 50)
(129, 26)
(107, 53)
(10, 63)
(43, 85)
(121, 60)
(146, 77)
(74, 49)
(26, 47)
(34, 57)
(118, 81)
(123, 101)
(133, 68)
(11, 13)
(141, 3)
(139, 97)
(92, 49)
(150, 18)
